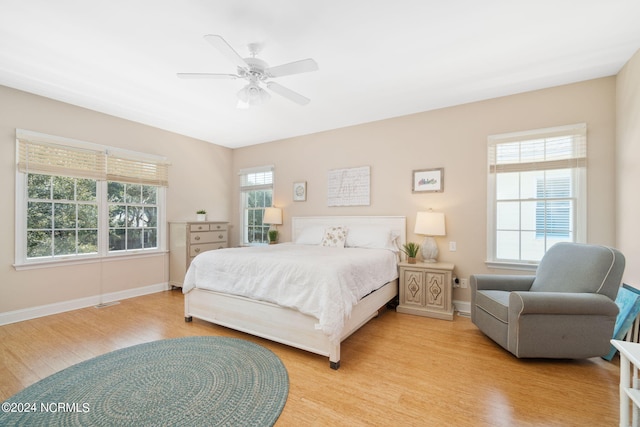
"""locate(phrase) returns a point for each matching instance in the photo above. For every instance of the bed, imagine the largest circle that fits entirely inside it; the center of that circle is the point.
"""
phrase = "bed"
(208, 293)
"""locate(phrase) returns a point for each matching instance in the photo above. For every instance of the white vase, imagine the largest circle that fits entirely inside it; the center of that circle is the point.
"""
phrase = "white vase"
(202, 217)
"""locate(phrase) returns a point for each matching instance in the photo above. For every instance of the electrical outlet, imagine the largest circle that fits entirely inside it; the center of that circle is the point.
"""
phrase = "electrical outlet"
(463, 283)
(452, 246)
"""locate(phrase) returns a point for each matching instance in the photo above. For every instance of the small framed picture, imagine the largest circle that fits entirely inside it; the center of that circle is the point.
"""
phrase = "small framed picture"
(428, 180)
(300, 191)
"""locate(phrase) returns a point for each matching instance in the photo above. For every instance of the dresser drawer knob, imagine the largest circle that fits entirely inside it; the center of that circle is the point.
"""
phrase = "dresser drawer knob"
(197, 238)
(197, 250)
(220, 236)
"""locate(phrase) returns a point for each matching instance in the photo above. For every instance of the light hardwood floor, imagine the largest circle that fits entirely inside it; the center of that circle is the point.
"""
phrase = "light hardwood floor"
(398, 369)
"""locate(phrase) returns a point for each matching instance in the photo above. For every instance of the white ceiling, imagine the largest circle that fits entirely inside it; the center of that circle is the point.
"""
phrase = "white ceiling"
(378, 59)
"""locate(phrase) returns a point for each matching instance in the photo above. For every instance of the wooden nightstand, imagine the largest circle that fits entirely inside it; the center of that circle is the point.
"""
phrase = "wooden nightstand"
(425, 289)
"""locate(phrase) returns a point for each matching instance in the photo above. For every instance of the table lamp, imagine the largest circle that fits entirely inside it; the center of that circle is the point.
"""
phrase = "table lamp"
(273, 217)
(429, 224)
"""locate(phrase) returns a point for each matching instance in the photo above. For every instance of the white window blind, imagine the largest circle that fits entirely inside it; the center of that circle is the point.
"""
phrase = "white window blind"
(536, 192)
(46, 154)
(258, 178)
(557, 148)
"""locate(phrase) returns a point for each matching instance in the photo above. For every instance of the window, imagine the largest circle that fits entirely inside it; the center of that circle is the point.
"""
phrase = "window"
(256, 193)
(76, 200)
(537, 193)
(133, 216)
(62, 216)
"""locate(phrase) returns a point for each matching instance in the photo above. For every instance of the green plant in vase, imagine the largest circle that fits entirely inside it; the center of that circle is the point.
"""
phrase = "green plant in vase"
(273, 236)
(411, 250)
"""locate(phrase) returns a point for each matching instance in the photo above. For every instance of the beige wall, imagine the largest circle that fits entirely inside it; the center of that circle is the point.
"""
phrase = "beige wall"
(454, 138)
(204, 175)
(199, 179)
(628, 167)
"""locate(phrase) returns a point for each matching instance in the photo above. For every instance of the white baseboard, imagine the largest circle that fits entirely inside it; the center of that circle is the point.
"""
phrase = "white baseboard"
(60, 307)
(462, 307)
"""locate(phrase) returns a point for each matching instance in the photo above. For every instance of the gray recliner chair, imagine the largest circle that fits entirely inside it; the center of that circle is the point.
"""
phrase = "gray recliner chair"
(566, 311)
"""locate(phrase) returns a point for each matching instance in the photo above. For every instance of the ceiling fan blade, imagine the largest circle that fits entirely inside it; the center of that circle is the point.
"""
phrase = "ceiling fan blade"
(297, 67)
(219, 43)
(206, 76)
(288, 93)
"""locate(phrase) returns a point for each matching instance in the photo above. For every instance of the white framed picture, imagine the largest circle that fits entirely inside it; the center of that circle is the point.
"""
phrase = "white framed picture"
(428, 180)
(300, 191)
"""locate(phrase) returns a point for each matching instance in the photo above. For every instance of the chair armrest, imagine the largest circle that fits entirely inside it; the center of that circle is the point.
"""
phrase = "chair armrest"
(561, 303)
(500, 282)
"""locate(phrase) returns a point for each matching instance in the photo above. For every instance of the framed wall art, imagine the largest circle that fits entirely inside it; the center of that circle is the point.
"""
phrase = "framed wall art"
(428, 180)
(349, 187)
(300, 191)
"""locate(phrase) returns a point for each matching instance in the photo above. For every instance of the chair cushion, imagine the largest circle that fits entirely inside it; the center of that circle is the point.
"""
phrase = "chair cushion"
(495, 303)
(573, 267)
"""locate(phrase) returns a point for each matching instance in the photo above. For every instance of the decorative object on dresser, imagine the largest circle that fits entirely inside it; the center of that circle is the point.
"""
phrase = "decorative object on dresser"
(201, 215)
(425, 289)
(188, 239)
(273, 217)
(430, 224)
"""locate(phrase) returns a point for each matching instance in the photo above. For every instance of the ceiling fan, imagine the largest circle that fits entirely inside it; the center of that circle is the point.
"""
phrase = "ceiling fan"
(256, 72)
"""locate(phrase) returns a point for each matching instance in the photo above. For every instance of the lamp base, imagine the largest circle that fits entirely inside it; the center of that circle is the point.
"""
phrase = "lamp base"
(429, 250)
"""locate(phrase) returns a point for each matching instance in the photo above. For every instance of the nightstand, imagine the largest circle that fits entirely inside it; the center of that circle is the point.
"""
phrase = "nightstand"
(425, 289)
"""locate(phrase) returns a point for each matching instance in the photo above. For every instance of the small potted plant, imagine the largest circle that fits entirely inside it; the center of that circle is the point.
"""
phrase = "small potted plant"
(273, 236)
(411, 251)
(201, 215)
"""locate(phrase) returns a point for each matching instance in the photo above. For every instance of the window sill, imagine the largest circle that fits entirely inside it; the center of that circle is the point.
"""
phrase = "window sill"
(512, 265)
(89, 260)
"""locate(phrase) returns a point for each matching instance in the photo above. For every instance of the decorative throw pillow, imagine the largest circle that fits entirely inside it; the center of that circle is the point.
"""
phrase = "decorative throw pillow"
(334, 237)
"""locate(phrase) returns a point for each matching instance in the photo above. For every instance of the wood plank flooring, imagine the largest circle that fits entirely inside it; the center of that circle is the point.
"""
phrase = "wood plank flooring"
(398, 369)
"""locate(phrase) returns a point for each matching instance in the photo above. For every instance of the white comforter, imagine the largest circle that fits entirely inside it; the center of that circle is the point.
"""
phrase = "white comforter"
(323, 282)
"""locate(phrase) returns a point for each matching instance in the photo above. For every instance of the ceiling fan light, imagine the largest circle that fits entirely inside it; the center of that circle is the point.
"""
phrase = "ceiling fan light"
(252, 95)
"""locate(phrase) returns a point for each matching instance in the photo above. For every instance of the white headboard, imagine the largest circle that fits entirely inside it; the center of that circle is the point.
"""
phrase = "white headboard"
(397, 224)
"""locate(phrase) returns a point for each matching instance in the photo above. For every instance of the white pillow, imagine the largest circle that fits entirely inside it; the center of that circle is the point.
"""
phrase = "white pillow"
(371, 236)
(310, 236)
(334, 237)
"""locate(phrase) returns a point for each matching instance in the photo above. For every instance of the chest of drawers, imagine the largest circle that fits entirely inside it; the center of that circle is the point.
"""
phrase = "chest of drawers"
(188, 239)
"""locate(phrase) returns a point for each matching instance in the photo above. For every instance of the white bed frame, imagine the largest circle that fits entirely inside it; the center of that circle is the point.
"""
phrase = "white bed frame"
(289, 326)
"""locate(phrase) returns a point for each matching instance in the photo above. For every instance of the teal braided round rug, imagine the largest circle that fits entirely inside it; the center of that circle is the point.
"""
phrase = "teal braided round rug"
(192, 381)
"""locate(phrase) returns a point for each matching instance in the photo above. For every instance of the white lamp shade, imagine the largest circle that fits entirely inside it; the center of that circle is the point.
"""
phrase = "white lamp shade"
(430, 224)
(272, 216)
(251, 95)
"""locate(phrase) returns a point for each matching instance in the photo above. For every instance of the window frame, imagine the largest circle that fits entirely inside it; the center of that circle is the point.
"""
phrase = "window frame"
(577, 166)
(245, 188)
(21, 261)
